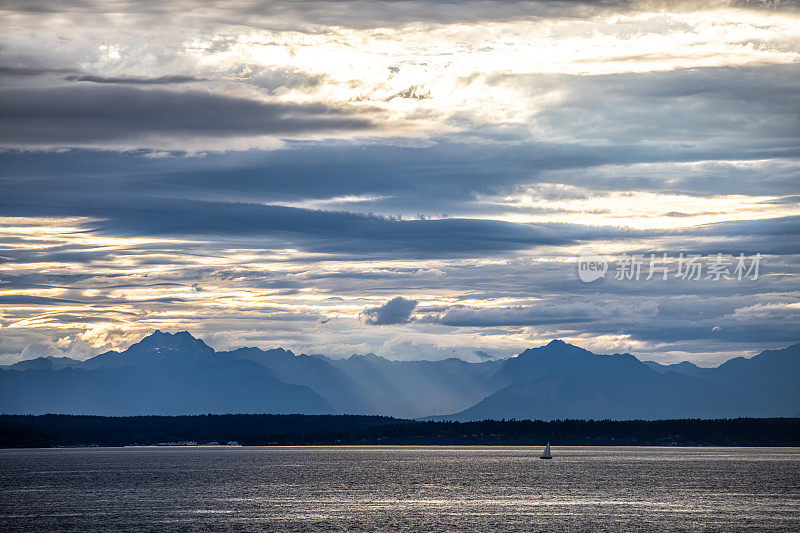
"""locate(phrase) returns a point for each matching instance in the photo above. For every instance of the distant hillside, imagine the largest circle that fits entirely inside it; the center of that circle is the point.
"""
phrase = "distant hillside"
(421, 388)
(341, 391)
(559, 381)
(179, 374)
(44, 363)
(769, 380)
(162, 374)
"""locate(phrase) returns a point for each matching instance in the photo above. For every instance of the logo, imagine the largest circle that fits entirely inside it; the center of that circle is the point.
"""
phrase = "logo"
(591, 267)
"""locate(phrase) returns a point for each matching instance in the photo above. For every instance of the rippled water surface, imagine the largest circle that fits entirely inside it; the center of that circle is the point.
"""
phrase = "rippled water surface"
(399, 488)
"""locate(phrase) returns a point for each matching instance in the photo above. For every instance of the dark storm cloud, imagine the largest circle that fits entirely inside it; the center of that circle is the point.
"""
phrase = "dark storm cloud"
(447, 169)
(22, 299)
(396, 311)
(699, 115)
(324, 231)
(7, 70)
(435, 179)
(320, 231)
(151, 206)
(134, 80)
(74, 115)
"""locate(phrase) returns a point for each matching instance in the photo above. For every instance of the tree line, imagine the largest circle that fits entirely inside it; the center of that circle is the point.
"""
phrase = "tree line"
(264, 430)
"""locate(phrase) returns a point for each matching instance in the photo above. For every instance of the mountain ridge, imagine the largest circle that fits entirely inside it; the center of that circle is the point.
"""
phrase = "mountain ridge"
(176, 373)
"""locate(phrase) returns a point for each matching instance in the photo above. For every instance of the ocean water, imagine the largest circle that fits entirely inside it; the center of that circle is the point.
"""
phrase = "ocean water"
(399, 488)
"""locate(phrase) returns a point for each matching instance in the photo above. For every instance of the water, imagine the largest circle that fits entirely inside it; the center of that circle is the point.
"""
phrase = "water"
(399, 488)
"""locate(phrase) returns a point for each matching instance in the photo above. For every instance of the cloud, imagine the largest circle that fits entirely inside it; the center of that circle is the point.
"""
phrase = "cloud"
(9, 70)
(270, 14)
(75, 116)
(23, 299)
(350, 13)
(396, 311)
(443, 177)
(275, 79)
(301, 161)
(550, 313)
(313, 230)
(713, 107)
(134, 80)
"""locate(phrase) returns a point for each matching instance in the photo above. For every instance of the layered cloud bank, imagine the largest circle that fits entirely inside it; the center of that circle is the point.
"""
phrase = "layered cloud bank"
(415, 179)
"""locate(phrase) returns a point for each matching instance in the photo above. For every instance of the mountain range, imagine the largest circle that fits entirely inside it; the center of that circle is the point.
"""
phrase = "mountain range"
(179, 374)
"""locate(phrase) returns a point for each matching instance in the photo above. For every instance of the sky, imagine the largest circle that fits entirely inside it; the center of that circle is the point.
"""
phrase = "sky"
(413, 179)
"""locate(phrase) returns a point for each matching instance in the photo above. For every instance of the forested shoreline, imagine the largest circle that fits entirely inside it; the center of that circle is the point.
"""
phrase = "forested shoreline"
(42, 431)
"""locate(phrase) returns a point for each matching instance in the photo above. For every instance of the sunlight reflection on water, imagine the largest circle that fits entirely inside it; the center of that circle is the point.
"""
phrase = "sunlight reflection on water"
(400, 488)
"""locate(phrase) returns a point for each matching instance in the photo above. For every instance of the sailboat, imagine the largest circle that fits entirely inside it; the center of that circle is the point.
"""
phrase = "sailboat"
(546, 452)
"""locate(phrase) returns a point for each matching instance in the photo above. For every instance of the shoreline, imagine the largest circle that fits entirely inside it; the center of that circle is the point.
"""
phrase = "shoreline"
(81, 431)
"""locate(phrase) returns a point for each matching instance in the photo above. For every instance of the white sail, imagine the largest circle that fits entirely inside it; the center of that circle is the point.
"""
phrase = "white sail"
(546, 453)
